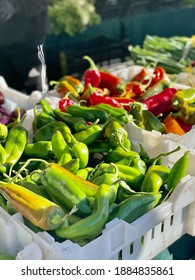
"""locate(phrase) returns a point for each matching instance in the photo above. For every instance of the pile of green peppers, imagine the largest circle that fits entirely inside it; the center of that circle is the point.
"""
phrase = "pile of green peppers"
(82, 160)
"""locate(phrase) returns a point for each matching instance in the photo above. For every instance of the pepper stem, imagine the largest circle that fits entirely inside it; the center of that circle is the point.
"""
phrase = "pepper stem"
(166, 154)
(91, 62)
(24, 166)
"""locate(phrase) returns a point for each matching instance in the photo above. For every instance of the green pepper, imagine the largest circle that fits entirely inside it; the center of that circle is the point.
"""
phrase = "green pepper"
(3, 131)
(135, 206)
(87, 229)
(80, 151)
(59, 145)
(41, 119)
(89, 135)
(186, 114)
(83, 173)
(72, 165)
(106, 178)
(155, 177)
(29, 184)
(132, 176)
(115, 114)
(15, 144)
(40, 149)
(75, 123)
(3, 154)
(124, 161)
(64, 159)
(45, 132)
(90, 114)
(139, 164)
(66, 188)
(151, 122)
(116, 134)
(178, 171)
(99, 146)
(39, 210)
(46, 107)
(119, 153)
(103, 168)
(183, 98)
(136, 111)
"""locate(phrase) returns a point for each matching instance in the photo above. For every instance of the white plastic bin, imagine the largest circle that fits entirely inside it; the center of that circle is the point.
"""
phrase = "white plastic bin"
(144, 238)
(15, 240)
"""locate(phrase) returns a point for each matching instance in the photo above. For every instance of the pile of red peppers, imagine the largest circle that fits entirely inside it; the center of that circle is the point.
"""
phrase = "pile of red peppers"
(98, 86)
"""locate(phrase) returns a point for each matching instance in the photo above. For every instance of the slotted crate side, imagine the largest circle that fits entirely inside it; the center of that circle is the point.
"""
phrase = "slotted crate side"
(15, 240)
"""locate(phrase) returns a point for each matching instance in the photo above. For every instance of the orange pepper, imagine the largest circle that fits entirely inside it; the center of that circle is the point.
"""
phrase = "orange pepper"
(172, 125)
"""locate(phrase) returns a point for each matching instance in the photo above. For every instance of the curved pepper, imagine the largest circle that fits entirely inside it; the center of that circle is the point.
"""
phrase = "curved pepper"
(115, 113)
(151, 122)
(90, 114)
(3, 154)
(46, 107)
(79, 150)
(135, 206)
(72, 165)
(186, 114)
(131, 175)
(118, 153)
(36, 208)
(68, 189)
(116, 134)
(59, 145)
(90, 227)
(41, 119)
(75, 123)
(15, 144)
(45, 132)
(160, 103)
(155, 177)
(178, 171)
(92, 75)
(89, 135)
(183, 98)
(172, 125)
(40, 149)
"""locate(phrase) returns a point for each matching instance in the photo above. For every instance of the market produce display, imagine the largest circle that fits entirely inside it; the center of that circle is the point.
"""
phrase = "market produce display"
(73, 179)
(79, 170)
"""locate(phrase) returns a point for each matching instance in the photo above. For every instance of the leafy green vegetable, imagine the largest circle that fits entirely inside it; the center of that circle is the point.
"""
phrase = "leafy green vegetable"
(70, 16)
(174, 53)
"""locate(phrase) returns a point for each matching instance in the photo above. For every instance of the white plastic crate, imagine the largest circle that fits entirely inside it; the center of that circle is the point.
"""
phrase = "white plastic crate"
(15, 240)
(152, 138)
(144, 238)
(15, 98)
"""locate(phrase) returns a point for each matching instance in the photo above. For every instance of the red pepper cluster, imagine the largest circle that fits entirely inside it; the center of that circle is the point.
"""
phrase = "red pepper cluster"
(103, 87)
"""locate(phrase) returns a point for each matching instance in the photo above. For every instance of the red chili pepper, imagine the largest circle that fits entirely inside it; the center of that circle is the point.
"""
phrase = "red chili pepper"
(96, 98)
(160, 103)
(102, 79)
(91, 90)
(125, 102)
(135, 89)
(158, 75)
(92, 76)
(186, 127)
(140, 76)
(113, 83)
(64, 102)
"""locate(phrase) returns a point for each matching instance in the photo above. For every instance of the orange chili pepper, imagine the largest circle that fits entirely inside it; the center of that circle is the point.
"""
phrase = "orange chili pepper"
(172, 125)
